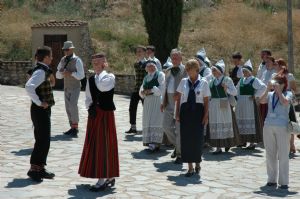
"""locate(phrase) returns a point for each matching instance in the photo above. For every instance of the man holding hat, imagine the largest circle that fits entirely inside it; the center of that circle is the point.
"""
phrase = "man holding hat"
(247, 113)
(70, 68)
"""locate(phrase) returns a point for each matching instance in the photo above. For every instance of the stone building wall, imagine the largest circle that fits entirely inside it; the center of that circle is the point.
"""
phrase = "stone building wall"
(15, 73)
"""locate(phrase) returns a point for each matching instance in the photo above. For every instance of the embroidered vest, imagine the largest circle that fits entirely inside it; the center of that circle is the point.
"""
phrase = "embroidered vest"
(246, 89)
(44, 90)
(150, 84)
(103, 100)
(217, 91)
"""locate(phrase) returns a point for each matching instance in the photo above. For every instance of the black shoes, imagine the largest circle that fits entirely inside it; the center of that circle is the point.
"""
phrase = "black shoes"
(174, 154)
(72, 132)
(178, 161)
(35, 175)
(251, 147)
(242, 145)
(227, 149)
(284, 187)
(38, 176)
(217, 152)
(107, 183)
(46, 174)
(197, 169)
(272, 184)
(189, 173)
(131, 131)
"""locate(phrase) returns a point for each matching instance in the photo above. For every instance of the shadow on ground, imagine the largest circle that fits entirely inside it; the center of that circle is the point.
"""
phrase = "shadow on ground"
(167, 166)
(23, 152)
(82, 191)
(273, 192)
(61, 137)
(20, 183)
(148, 155)
(181, 180)
(133, 138)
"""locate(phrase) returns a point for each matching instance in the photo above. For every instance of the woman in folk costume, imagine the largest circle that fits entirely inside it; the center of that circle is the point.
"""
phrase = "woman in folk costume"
(100, 152)
(223, 131)
(193, 115)
(204, 62)
(151, 91)
(281, 68)
(247, 114)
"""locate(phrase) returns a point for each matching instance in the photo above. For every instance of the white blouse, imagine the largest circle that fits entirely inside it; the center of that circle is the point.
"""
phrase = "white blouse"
(231, 90)
(156, 90)
(104, 82)
(202, 90)
(257, 84)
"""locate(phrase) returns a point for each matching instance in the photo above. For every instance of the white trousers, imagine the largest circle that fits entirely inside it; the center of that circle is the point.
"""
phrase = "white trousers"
(277, 145)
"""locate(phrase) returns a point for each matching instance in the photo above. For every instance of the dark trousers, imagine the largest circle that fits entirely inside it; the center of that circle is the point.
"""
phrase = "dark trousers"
(42, 125)
(134, 102)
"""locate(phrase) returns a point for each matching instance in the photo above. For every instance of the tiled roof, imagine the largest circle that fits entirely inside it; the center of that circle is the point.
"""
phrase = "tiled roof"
(66, 23)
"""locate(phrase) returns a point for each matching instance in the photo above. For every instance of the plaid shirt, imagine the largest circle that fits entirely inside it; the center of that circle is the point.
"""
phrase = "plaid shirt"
(140, 73)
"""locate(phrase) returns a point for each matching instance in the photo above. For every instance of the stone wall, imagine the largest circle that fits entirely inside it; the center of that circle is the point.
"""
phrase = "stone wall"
(14, 72)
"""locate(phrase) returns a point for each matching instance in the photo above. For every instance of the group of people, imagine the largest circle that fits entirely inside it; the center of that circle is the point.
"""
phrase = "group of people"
(197, 104)
(188, 106)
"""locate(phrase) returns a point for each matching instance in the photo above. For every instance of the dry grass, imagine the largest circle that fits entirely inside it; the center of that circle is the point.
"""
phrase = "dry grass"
(231, 26)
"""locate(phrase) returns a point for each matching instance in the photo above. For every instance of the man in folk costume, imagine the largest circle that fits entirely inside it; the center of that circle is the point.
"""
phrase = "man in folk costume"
(247, 114)
(174, 75)
(140, 73)
(204, 62)
(266, 77)
(151, 91)
(39, 89)
(264, 54)
(223, 130)
(237, 73)
(100, 152)
(70, 68)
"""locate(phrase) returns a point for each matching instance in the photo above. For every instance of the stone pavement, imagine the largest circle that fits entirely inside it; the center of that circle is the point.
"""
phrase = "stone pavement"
(237, 174)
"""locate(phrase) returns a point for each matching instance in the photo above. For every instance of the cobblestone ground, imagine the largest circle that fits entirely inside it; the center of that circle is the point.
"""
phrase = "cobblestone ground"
(237, 174)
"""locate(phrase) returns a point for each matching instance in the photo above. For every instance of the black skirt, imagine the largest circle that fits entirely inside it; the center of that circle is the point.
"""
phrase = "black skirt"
(191, 132)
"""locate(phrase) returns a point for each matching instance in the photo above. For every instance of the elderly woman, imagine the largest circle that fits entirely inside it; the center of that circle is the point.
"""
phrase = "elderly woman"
(151, 91)
(275, 131)
(247, 114)
(193, 115)
(281, 68)
(223, 131)
(100, 151)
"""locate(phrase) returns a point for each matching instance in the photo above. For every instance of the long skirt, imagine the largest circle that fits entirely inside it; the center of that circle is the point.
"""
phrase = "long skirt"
(152, 120)
(191, 132)
(100, 151)
(223, 131)
(248, 119)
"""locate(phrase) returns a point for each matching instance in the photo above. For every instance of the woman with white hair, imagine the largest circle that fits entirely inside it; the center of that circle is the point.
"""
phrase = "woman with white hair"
(247, 115)
(223, 131)
(151, 91)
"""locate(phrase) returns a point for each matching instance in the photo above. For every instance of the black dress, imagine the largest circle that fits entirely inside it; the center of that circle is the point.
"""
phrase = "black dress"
(191, 127)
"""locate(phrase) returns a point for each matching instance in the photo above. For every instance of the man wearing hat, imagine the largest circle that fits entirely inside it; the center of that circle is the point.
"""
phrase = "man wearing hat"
(247, 113)
(236, 74)
(70, 68)
(204, 62)
(151, 55)
(174, 74)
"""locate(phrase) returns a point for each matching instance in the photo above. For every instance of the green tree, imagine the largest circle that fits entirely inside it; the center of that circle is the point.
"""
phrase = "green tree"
(163, 20)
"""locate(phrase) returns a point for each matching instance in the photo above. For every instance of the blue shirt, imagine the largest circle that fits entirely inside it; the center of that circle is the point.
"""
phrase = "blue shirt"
(278, 114)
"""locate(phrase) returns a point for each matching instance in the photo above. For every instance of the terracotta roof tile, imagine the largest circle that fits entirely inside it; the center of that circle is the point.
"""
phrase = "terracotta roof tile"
(66, 23)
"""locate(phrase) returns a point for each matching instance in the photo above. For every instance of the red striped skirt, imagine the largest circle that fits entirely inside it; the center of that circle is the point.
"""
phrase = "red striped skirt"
(100, 157)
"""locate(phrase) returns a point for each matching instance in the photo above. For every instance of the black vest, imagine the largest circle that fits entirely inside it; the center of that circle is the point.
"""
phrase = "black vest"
(104, 100)
(233, 75)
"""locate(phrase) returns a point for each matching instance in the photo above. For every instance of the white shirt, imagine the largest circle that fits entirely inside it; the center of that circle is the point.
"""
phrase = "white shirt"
(207, 74)
(257, 84)
(202, 90)
(231, 90)
(261, 69)
(240, 73)
(104, 82)
(157, 91)
(78, 74)
(267, 76)
(36, 79)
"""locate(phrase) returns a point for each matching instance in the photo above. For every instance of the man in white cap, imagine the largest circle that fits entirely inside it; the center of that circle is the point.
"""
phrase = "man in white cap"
(247, 113)
(204, 62)
(70, 68)
(174, 75)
